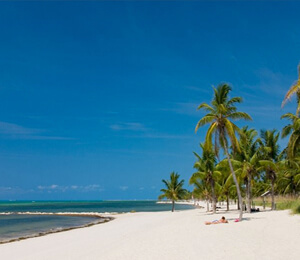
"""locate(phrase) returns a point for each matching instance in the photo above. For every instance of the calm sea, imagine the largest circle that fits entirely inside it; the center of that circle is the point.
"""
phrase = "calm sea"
(14, 225)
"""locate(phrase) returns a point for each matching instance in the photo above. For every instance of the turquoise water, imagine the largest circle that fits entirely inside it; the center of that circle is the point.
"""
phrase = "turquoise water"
(86, 206)
(14, 225)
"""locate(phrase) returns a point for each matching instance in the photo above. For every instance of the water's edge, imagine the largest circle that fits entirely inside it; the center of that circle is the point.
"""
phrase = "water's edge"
(100, 220)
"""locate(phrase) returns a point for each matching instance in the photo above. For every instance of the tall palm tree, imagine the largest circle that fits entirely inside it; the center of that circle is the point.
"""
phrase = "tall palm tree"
(292, 129)
(270, 158)
(220, 113)
(294, 89)
(246, 161)
(174, 190)
(207, 171)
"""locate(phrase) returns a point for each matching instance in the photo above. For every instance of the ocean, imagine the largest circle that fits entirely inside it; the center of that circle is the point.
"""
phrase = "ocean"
(17, 220)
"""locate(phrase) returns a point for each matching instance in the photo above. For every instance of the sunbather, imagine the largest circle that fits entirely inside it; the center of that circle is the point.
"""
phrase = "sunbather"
(222, 220)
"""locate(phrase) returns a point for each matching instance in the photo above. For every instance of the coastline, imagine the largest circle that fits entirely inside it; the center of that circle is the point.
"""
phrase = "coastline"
(167, 235)
(100, 219)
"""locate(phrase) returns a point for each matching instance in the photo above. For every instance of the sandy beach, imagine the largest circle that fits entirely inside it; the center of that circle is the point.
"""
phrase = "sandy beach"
(167, 235)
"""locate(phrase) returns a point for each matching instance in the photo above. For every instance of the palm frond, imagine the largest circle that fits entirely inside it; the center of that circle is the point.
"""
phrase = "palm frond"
(293, 89)
(239, 115)
(235, 100)
(204, 120)
(208, 138)
(206, 107)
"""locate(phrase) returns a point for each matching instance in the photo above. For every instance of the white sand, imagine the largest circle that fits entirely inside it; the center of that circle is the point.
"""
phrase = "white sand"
(165, 235)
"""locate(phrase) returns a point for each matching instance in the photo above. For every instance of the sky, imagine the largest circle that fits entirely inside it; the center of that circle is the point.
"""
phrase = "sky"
(98, 99)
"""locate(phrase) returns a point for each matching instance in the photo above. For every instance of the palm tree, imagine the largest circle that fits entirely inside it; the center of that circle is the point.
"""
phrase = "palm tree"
(220, 113)
(226, 185)
(270, 158)
(207, 172)
(201, 191)
(174, 190)
(246, 160)
(292, 129)
(289, 179)
(294, 89)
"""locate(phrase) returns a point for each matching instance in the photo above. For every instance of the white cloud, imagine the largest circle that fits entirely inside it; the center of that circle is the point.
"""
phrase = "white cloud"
(93, 187)
(58, 188)
(14, 190)
(163, 136)
(183, 108)
(128, 126)
(123, 188)
(14, 129)
(275, 84)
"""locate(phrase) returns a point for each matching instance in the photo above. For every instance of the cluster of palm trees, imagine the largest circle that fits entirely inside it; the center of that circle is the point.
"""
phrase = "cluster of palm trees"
(252, 163)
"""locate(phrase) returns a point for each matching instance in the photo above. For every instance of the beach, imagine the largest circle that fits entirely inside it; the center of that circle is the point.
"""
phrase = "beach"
(167, 235)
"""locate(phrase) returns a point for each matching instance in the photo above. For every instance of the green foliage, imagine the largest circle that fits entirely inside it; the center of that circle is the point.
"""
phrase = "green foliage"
(174, 188)
(292, 129)
(220, 113)
(207, 172)
(294, 90)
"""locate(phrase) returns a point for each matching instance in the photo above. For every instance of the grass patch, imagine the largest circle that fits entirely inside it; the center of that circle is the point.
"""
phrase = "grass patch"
(282, 203)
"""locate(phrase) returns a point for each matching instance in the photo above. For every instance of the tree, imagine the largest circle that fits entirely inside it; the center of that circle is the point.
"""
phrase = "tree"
(292, 129)
(220, 113)
(294, 89)
(289, 179)
(201, 190)
(270, 158)
(174, 190)
(207, 172)
(246, 161)
(226, 185)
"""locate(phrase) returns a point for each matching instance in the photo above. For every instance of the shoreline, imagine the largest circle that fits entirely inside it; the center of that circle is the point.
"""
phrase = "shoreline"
(99, 217)
(166, 235)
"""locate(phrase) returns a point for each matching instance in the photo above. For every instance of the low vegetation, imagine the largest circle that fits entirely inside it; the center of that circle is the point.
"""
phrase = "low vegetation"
(282, 203)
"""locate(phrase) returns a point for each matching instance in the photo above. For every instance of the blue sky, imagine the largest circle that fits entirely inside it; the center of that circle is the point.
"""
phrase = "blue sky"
(98, 99)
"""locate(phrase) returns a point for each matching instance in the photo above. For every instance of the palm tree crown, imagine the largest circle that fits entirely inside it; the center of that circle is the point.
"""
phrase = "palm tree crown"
(270, 142)
(174, 189)
(207, 171)
(270, 157)
(292, 129)
(220, 112)
(294, 89)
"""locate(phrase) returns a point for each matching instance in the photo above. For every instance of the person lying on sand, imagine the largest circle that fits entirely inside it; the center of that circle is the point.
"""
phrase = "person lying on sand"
(222, 220)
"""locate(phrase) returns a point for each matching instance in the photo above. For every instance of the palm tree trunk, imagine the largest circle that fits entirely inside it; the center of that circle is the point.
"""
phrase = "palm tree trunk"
(207, 205)
(214, 200)
(173, 205)
(272, 194)
(227, 201)
(234, 179)
(249, 192)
